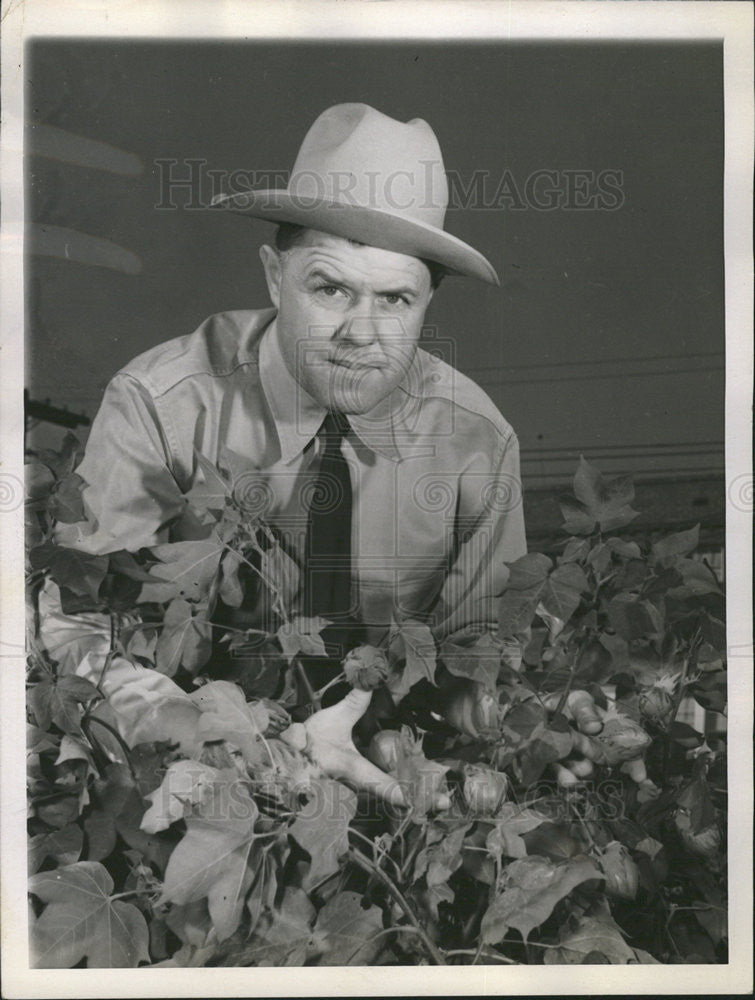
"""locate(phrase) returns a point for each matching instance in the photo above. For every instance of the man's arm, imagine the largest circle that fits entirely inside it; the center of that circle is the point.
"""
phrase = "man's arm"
(490, 533)
(131, 494)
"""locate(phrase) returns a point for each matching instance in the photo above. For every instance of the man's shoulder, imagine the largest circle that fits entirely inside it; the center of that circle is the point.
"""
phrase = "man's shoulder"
(220, 346)
(439, 380)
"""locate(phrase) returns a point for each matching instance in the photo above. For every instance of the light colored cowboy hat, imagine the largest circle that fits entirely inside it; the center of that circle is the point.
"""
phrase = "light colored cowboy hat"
(367, 177)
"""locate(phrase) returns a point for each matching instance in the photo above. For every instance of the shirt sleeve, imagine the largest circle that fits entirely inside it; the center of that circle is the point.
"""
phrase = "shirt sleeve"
(131, 495)
(489, 534)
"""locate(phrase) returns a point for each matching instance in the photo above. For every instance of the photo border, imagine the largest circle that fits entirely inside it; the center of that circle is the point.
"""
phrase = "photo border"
(643, 20)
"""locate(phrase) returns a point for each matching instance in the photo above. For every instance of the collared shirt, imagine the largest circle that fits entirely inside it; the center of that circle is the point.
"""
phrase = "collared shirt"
(434, 467)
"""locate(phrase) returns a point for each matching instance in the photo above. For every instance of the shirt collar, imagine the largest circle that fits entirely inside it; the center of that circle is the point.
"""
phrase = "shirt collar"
(298, 416)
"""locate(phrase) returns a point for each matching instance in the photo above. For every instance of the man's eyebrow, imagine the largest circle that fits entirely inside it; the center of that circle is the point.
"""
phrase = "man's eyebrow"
(320, 272)
(335, 279)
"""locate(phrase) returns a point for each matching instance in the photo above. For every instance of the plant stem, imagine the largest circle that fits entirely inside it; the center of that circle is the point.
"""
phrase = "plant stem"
(366, 865)
(336, 680)
(383, 854)
(487, 954)
(690, 660)
(583, 824)
(311, 694)
(265, 579)
(413, 852)
(131, 892)
(117, 736)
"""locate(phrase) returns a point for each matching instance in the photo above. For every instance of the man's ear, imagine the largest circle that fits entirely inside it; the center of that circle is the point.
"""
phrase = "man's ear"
(271, 262)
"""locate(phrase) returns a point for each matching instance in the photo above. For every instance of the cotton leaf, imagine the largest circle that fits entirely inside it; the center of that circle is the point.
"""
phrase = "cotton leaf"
(190, 922)
(141, 645)
(479, 660)
(321, 827)
(66, 503)
(421, 779)
(81, 921)
(264, 886)
(211, 493)
(64, 460)
(634, 619)
(627, 550)
(575, 550)
(302, 635)
(186, 784)
(347, 930)
(226, 715)
(63, 845)
(517, 608)
(77, 571)
(184, 639)
(697, 579)
(38, 740)
(680, 544)
(555, 624)
(444, 858)
(562, 590)
(547, 745)
(231, 591)
(212, 859)
(600, 557)
(591, 934)
(185, 569)
(287, 938)
(528, 577)
(436, 894)
(577, 519)
(531, 888)
(412, 643)
(281, 573)
(68, 638)
(505, 839)
(101, 835)
(72, 749)
(38, 480)
(606, 500)
(528, 571)
(59, 701)
(148, 705)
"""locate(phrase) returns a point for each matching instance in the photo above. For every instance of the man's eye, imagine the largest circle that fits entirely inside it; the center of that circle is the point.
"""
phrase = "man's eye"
(330, 291)
(395, 300)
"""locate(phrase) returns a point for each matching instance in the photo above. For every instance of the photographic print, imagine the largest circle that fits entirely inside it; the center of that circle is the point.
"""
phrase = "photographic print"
(384, 433)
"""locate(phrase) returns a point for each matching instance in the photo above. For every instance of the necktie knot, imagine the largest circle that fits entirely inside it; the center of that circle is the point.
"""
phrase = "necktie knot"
(332, 431)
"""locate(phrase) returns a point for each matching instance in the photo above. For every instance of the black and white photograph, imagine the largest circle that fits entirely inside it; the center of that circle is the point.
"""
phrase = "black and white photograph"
(377, 492)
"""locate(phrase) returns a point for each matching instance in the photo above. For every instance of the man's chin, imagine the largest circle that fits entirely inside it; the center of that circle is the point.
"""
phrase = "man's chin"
(357, 396)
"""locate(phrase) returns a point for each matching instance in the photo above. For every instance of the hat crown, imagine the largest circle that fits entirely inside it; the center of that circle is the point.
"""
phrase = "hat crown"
(354, 155)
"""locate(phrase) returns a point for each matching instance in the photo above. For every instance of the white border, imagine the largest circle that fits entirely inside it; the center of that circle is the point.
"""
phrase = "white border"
(429, 19)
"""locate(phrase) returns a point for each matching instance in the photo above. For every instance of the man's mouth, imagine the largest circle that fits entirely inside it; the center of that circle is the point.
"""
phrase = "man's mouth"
(354, 364)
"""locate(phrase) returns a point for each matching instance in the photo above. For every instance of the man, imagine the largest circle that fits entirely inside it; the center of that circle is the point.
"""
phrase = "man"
(329, 388)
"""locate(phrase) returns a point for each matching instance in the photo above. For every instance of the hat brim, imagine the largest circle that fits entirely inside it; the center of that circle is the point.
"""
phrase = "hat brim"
(366, 225)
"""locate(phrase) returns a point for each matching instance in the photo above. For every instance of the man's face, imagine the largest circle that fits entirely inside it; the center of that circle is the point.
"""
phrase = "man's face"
(349, 317)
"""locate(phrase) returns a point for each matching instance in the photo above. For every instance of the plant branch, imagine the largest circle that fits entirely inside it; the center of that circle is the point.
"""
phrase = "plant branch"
(311, 694)
(689, 661)
(366, 865)
(383, 853)
(481, 951)
(116, 735)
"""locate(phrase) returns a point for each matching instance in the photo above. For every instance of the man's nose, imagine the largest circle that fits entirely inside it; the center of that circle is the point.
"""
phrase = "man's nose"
(361, 330)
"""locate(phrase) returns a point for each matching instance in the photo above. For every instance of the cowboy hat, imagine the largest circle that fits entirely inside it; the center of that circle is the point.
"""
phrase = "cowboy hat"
(367, 177)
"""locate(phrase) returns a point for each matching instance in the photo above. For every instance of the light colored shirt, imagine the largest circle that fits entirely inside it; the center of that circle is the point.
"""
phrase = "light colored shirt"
(434, 467)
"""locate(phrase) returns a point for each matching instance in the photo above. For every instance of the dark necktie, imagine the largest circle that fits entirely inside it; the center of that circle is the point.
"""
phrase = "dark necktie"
(328, 551)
